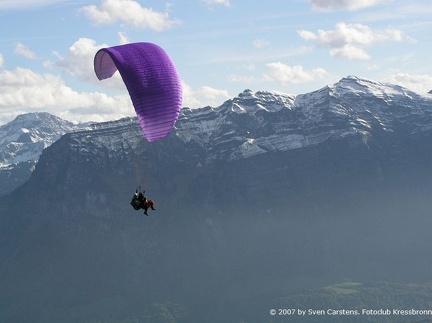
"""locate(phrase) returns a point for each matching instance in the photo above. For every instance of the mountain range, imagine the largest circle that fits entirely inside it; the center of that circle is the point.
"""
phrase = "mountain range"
(263, 197)
(23, 139)
(22, 142)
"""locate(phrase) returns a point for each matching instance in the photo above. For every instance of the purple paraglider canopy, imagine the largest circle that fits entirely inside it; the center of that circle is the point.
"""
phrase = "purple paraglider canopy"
(152, 80)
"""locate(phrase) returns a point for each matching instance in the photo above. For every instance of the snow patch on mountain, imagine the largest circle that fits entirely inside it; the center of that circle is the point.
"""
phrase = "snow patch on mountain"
(197, 124)
(113, 137)
(24, 138)
(249, 124)
(258, 122)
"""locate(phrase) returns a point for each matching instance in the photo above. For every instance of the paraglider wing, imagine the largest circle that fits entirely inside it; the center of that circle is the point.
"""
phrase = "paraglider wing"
(152, 80)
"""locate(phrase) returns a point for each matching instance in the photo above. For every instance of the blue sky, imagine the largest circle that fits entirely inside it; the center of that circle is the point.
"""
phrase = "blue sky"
(220, 47)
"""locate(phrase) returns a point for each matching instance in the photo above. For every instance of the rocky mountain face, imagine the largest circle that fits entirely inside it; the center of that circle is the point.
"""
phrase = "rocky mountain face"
(261, 197)
(21, 143)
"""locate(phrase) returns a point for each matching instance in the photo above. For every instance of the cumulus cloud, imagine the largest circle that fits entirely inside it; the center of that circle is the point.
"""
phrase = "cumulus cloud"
(347, 40)
(203, 96)
(22, 50)
(211, 93)
(23, 90)
(1, 61)
(420, 83)
(349, 51)
(129, 12)
(328, 5)
(79, 59)
(78, 62)
(285, 74)
(189, 98)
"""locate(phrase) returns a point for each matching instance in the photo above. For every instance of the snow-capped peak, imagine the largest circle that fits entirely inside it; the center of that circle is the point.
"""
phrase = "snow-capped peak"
(354, 85)
(24, 138)
(258, 122)
(252, 102)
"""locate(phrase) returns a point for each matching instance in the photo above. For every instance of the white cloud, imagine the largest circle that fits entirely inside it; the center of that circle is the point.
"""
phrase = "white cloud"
(79, 63)
(355, 34)
(328, 5)
(189, 98)
(212, 94)
(260, 43)
(285, 74)
(129, 12)
(307, 35)
(203, 96)
(123, 38)
(347, 40)
(1, 61)
(22, 50)
(79, 59)
(23, 90)
(349, 52)
(420, 83)
(212, 3)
